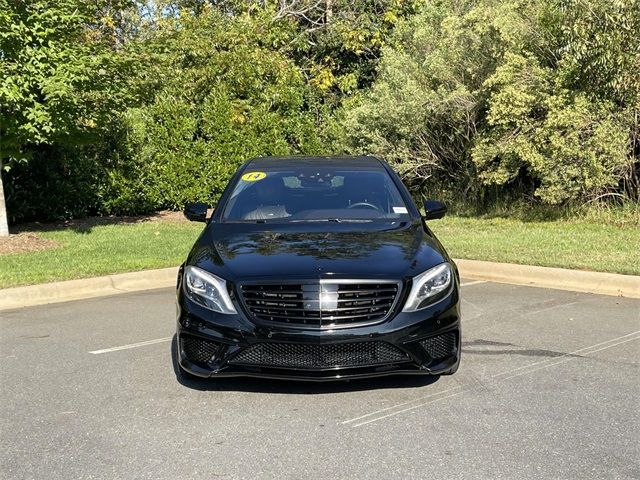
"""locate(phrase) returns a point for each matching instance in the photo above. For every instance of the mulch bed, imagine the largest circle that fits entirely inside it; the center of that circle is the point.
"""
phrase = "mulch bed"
(24, 242)
(89, 222)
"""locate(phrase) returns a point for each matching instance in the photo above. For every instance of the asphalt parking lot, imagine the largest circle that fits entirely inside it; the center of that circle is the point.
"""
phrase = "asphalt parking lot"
(549, 387)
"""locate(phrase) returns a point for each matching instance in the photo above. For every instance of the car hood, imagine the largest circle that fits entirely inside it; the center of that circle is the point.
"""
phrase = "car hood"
(240, 252)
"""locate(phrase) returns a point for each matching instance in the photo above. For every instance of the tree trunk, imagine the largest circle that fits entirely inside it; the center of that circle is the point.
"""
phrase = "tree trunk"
(4, 227)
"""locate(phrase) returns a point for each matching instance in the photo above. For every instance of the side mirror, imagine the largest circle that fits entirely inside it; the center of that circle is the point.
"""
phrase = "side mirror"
(434, 209)
(196, 212)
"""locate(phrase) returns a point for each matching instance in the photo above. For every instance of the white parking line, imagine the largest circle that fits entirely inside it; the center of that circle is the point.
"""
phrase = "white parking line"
(566, 358)
(131, 345)
(453, 389)
(398, 412)
(582, 351)
(475, 282)
(516, 372)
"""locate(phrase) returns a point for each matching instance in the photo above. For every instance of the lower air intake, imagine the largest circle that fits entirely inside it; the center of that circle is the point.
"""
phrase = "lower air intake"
(291, 355)
(440, 346)
(198, 350)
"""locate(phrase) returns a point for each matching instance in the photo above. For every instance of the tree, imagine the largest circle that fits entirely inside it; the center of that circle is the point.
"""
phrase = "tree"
(518, 95)
(59, 77)
(4, 227)
(225, 91)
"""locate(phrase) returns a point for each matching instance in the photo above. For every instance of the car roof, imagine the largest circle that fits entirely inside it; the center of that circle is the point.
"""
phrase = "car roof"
(315, 160)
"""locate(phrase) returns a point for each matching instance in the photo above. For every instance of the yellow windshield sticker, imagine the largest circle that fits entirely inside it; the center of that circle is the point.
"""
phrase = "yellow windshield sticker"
(253, 176)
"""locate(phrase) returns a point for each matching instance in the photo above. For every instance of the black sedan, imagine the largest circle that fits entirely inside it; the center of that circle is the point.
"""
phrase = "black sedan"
(317, 268)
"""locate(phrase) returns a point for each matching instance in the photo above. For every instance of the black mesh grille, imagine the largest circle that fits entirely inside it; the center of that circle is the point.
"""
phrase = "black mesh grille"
(320, 305)
(199, 350)
(440, 346)
(290, 355)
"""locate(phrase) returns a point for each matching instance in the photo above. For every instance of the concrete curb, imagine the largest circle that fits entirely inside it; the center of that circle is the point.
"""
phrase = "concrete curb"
(86, 288)
(545, 277)
(559, 278)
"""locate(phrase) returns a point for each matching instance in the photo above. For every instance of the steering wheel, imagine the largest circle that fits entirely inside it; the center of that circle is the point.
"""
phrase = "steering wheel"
(364, 204)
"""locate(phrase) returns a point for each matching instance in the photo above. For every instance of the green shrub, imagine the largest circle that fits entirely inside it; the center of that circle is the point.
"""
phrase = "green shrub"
(573, 146)
(56, 184)
(227, 94)
(476, 94)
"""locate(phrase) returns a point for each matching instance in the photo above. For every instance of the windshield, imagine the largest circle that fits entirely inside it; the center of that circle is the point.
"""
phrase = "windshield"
(308, 194)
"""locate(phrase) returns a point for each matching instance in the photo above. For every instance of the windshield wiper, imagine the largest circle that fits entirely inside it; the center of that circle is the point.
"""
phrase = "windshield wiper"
(336, 220)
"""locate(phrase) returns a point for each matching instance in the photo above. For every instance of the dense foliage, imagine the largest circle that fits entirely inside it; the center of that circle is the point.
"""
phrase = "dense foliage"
(125, 106)
(539, 95)
(225, 91)
(62, 86)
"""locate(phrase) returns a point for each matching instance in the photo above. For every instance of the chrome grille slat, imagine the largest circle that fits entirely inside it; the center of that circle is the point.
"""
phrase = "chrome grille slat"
(330, 318)
(367, 299)
(377, 306)
(314, 315)
(259, 304)
(344, 317)
(346, 292)
(261, 293)
(360, 299)
(321, 304)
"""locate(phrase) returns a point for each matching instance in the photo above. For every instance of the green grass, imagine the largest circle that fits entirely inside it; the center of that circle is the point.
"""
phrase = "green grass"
(101, 250)
(617, 211)
(106, 249)
(577, 245)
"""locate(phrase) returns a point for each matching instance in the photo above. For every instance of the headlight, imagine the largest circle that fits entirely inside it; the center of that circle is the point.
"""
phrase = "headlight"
(427, 286)
(207, 290)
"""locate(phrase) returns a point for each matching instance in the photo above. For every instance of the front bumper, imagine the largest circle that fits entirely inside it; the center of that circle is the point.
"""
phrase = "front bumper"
(216, 345)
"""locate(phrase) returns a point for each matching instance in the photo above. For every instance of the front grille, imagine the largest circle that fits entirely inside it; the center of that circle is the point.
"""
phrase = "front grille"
(302, 356)
(440, 346)
(321, 304)
(199, 350)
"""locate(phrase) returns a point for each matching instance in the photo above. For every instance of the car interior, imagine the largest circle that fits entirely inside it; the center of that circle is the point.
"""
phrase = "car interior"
(349, 195)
